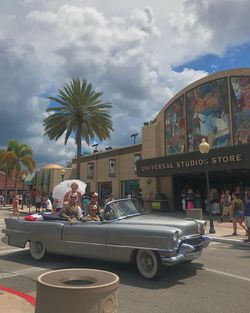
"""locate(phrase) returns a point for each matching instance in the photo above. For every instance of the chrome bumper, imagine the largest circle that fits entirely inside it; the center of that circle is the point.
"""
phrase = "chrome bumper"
(187, 252)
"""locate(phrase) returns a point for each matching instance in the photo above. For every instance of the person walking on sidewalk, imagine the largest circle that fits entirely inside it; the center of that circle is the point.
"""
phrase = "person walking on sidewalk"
(238, 216)
(226, 205)
(247, 213)
(15, 205)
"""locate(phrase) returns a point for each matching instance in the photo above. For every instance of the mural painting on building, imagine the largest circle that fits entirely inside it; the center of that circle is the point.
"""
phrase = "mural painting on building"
(208, 115)
(240, 97)
(175, 127)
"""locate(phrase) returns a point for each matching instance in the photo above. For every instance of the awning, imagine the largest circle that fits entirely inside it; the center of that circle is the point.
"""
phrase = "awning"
(29, 179)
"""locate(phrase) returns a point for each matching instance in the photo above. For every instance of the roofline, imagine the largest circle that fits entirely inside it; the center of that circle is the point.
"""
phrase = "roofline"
(111, 153)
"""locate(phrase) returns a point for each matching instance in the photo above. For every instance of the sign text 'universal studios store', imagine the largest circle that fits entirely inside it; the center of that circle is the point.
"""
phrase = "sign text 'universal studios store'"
(217, 160)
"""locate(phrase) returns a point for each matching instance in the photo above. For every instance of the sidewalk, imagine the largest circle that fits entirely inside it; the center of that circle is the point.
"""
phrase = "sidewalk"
(223, 233)
(13, 301)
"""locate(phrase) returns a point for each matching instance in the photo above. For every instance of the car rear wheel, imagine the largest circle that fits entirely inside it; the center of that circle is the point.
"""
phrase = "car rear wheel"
(148, 264)
(37, 250)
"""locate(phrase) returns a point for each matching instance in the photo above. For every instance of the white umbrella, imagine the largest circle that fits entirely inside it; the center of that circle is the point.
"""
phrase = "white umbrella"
(63, 187)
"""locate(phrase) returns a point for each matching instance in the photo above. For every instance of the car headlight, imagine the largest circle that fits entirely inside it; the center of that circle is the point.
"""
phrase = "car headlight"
(203, 228)
(200, 228)
(176, 236)
(197, 228)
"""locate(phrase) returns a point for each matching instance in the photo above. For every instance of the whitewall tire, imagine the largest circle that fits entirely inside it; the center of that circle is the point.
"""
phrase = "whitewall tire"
(37, 249)
(148, 264)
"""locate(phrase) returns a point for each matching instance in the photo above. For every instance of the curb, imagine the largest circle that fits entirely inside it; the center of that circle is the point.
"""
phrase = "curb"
(231, 241)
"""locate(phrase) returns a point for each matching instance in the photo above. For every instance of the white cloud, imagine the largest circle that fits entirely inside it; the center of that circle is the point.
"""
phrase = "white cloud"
(126, 51)
(206, 26)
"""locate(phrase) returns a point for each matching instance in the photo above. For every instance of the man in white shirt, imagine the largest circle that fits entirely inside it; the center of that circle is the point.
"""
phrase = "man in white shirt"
(48, 205)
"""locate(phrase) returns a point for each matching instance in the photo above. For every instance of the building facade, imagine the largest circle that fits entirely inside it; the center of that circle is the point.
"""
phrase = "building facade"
(48, 176)
(112, 171)
(167, 165)
(216, 108)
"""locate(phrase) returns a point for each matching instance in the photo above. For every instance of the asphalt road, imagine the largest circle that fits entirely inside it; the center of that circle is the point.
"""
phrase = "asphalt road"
(218, 282)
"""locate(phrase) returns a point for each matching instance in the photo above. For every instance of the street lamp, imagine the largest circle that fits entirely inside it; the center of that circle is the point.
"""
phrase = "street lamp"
(62, 173)
(134, 135)
(23, 177)
(204, 148)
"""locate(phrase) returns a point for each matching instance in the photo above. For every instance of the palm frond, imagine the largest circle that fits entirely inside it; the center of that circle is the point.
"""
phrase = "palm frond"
(80, 111)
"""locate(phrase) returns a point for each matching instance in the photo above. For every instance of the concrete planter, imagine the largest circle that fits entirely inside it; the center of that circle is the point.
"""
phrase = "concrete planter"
(195, 213)
(77, 290)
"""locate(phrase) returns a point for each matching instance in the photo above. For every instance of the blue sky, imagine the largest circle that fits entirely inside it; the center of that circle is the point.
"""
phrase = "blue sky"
(139, 54)
(236, 57)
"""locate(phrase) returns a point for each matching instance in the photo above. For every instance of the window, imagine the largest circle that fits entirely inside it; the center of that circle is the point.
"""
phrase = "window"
(240, 97)
(208, 115)
(137, 157)
(175, 124)
(112, 167)
(90, 173)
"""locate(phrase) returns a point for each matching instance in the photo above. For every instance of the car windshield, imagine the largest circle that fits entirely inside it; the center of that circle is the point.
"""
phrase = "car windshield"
(123, 208)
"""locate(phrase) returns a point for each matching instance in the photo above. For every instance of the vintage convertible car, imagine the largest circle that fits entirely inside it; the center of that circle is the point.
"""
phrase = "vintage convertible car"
(126, 233)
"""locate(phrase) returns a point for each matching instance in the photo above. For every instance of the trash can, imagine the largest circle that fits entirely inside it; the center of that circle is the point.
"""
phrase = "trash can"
(194, 213)
(77, 290)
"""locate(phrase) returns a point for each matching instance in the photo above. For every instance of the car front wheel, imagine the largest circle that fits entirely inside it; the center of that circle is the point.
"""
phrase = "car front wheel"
(148, 264)
(37, 250)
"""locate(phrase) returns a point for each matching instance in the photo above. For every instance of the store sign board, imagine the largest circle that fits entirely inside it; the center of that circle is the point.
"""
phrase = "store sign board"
(216, 160)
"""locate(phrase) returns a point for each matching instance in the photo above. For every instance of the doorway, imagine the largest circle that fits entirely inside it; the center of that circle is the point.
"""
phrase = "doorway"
(218, 182)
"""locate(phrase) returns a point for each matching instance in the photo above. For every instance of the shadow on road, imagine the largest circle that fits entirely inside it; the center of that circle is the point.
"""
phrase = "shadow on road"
(127, 272)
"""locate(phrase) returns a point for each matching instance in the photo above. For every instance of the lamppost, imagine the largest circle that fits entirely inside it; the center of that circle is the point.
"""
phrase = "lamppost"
(23, 177)
(134, 136)
(204, 148)
(62, 173)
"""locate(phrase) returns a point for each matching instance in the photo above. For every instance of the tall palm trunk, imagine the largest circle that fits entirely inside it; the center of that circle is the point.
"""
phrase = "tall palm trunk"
(5, 187)
(79, 153)
(15, 187)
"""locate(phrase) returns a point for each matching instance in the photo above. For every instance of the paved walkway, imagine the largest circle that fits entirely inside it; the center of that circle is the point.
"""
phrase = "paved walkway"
(224, 232)
(14, 301)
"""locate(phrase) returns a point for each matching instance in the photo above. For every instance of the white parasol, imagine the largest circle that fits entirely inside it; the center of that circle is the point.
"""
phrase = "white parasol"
(63, 187)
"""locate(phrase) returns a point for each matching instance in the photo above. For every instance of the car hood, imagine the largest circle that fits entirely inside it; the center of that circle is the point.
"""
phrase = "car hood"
(186, 227)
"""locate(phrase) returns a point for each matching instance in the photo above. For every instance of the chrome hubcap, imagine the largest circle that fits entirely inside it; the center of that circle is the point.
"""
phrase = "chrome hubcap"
(38, 247)
(147, 262)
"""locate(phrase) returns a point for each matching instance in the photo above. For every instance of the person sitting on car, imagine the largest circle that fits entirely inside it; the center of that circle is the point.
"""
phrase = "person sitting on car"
(93, 213)
(74, 190)
(71, 210)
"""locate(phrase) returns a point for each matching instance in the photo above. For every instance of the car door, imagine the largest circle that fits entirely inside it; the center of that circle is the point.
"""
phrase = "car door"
(85, 239)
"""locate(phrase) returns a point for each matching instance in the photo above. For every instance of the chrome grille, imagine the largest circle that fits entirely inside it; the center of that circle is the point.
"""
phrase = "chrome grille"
(196, 242)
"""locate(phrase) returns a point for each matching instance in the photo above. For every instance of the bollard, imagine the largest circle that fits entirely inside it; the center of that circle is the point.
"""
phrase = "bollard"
(77, 290)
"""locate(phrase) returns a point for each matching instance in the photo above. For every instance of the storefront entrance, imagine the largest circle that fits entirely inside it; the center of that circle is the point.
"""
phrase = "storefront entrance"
(195, 185)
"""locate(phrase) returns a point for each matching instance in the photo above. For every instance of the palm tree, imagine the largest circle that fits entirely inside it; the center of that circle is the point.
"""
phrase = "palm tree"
(6, 170)
(16, 157)
(80, 113)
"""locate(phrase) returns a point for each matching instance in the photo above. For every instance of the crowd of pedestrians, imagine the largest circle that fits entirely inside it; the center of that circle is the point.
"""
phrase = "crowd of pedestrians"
(237, 208)
(73, 207)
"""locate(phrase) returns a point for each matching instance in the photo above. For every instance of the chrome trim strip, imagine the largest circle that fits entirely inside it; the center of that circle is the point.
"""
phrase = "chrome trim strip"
(121, 246)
